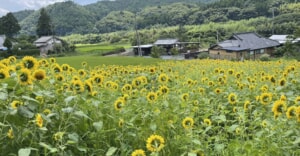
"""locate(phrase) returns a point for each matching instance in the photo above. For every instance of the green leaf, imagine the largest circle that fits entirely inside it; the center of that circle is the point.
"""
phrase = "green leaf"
(73, 136)
(297, 141)
(232, 128)
(67, 110)
(196, 141)
(69, 99)
(3, 125)
(30, 99)
(3, 95)
(111, 151)
(82, 149)
(98, 125)
(81, 114)
(25, 112)
(51, 149)
(219, 147)
(153, 126)
(192, 154)
(24, 152)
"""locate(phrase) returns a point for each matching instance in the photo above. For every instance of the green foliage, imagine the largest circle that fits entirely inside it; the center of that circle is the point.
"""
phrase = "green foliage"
(9, 25)
(111, 16)
(93, 61)
(7, 43)
(203, 55)
(174, 51)
(156, 51)
(44, 27)
(264, 57)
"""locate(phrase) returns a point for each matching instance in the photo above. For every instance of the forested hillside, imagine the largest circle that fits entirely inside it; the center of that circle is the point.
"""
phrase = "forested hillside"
(111, 16)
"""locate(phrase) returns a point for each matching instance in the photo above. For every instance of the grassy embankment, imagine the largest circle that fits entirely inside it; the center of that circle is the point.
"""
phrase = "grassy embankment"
(75, 61)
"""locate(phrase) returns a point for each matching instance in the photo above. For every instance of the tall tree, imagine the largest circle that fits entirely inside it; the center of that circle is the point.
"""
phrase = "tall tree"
(44, 24)
(9, 25)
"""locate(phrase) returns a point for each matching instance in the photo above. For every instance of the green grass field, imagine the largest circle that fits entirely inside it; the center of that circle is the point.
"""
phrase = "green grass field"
(75, 61)
(99, 48)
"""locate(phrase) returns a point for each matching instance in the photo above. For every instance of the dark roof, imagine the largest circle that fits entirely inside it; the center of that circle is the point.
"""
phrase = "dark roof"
(44, 39)
(166, 41)
(249, 40)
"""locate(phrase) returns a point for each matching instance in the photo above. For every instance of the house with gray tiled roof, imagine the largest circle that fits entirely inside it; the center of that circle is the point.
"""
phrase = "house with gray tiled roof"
(241, 46)
(46, 43)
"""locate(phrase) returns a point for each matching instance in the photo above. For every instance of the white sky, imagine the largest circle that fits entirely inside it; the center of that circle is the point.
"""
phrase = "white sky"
(18, 5)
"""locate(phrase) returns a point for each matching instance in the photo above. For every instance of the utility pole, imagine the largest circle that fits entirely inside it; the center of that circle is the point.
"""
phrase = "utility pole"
(272, 21)
(217, 36)
(138, 37)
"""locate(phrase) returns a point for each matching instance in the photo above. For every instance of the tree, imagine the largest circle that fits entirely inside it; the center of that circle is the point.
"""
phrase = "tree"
(9, 25)
(7, 44)
(44, 24)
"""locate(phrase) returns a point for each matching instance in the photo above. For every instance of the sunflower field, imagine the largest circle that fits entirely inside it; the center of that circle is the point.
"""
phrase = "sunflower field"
(173, 108)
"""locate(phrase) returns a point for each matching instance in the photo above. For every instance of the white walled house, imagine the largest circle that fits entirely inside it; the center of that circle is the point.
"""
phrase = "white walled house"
(46, 43)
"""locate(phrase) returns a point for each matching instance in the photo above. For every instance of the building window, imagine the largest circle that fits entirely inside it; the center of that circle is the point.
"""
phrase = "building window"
(251, 52)
(262, 51)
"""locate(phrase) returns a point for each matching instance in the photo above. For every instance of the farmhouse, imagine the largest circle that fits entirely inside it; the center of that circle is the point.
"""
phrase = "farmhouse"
(241, 46)
(2, 39)
(46, 43)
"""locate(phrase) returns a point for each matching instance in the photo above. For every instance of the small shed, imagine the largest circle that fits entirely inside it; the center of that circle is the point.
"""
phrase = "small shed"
(145, 49)
(168, 44)
(46, 43)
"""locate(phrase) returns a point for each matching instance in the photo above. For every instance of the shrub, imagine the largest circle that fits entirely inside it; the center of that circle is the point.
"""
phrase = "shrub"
(203, 55)
(264, 57)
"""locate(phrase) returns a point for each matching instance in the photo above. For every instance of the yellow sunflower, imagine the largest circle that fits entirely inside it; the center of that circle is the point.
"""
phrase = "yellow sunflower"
(297, 100)
(291, 112)
(59, 77)
(207, 122)
(151, 96)
(138, 152)
(218, 90)
(10, 133)
(282, 82)
(185, 97)
(232, 98)
(164, 89)
(25, 77)
(39, 74)
(265, 98)
(127, 88)
(15, 104)
(30, 63)
(98, 79)
(81, 72)
(278, 108)
(56, 68)
(52, 60)
(119, 104)
(187, 123)
(39, 120)
(77, 86)
(163, 78)
(121, 122)
(4, 73)
(246, 105)
(298, 113)
(88, 86)
(155, 143)
(65, 67)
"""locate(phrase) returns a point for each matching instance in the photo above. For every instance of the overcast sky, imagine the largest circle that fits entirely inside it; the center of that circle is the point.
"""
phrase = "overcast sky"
(18, 5)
